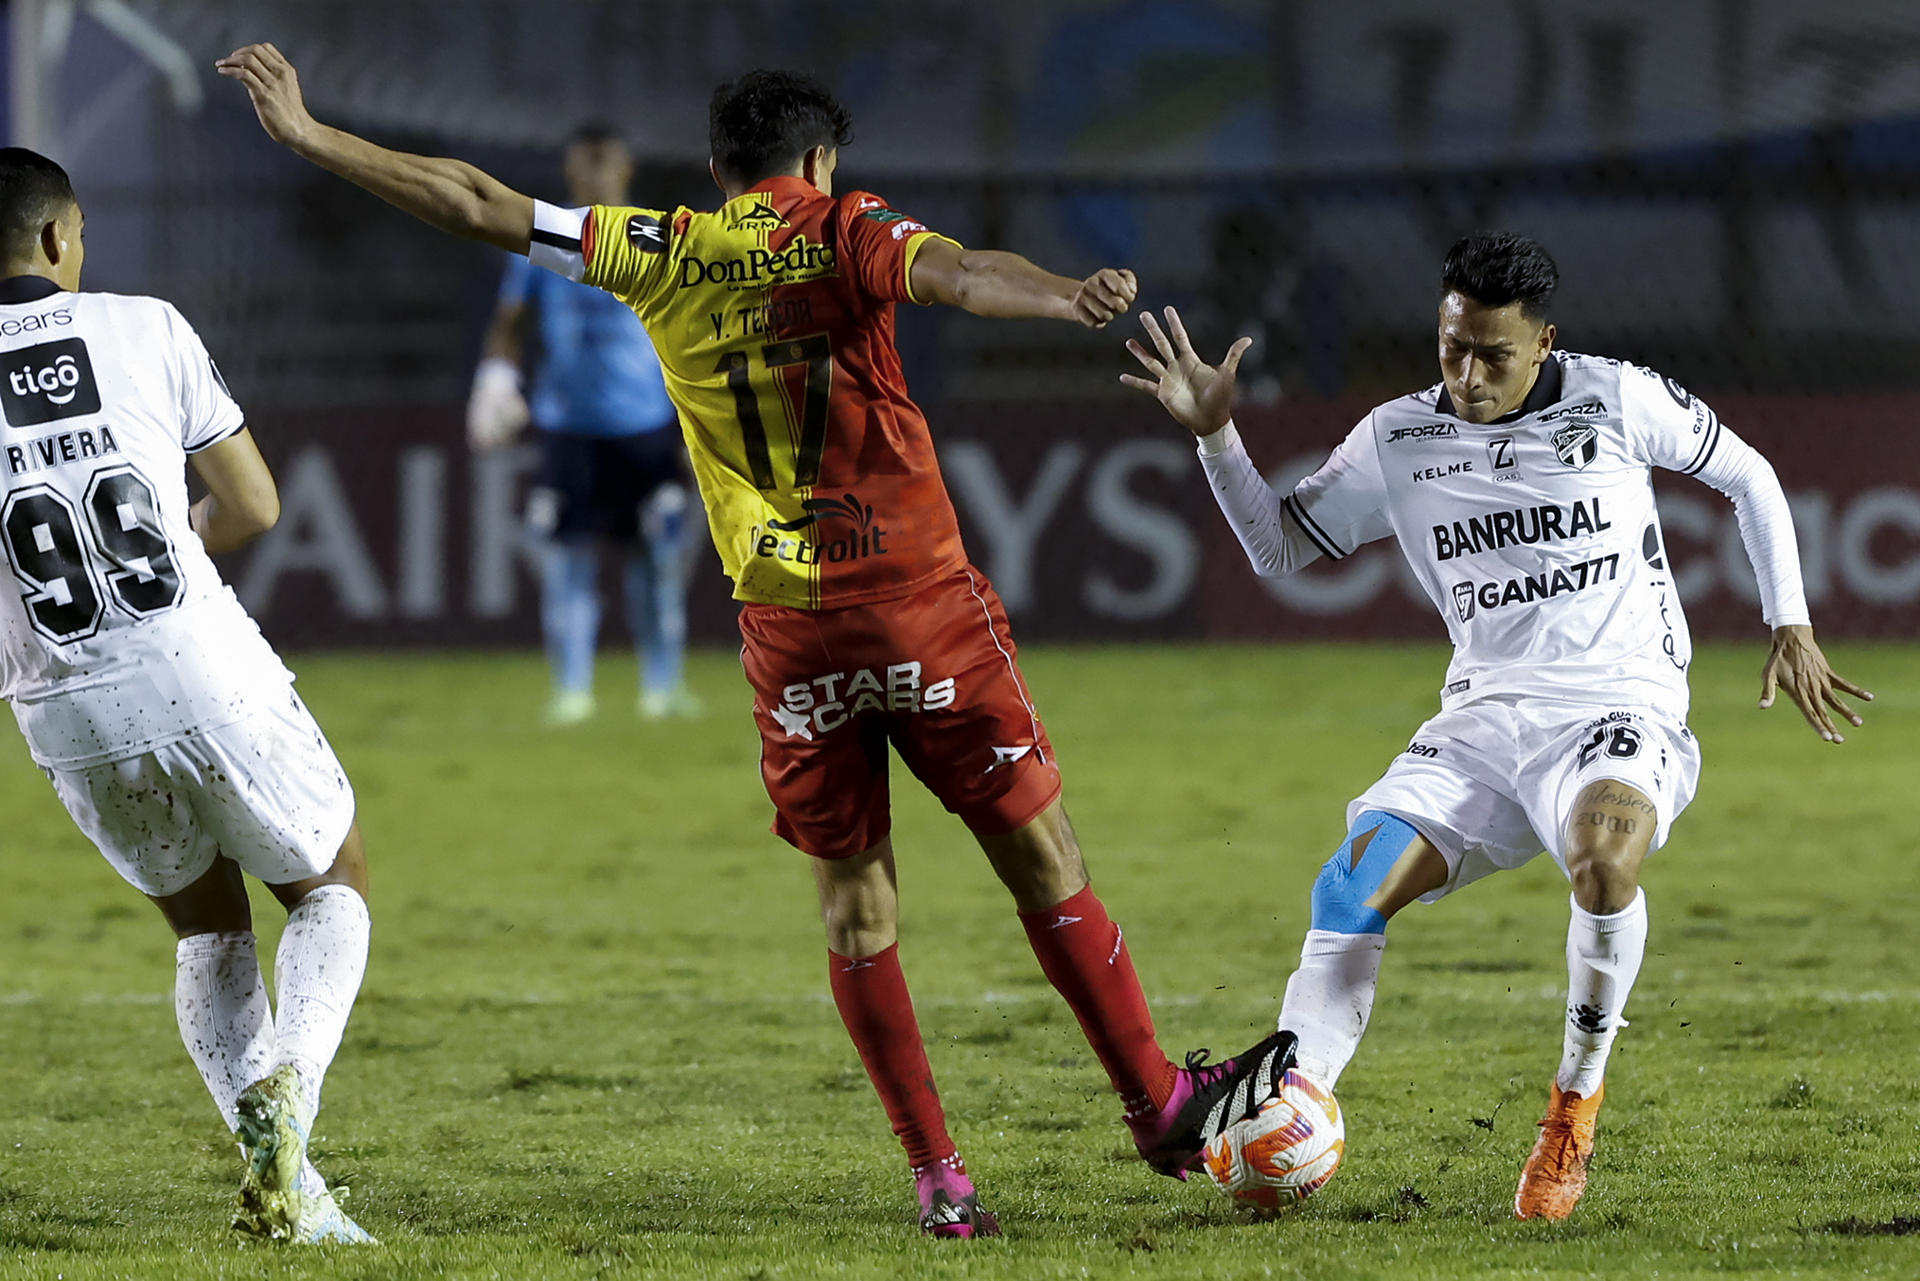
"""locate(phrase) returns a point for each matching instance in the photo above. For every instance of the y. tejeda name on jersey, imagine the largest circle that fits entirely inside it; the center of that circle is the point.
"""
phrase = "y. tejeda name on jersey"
(120, 635)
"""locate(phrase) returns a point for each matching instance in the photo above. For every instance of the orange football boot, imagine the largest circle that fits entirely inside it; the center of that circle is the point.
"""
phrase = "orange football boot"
(1556, 1173)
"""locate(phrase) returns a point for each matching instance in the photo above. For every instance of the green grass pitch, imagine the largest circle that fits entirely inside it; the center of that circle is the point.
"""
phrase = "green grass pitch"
(595, 1039)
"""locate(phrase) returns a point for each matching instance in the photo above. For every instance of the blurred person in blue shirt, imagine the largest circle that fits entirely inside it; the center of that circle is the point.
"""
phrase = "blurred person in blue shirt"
(612, 467)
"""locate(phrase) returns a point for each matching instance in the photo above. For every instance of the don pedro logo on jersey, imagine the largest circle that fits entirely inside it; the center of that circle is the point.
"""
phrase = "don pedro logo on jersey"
(47, 382)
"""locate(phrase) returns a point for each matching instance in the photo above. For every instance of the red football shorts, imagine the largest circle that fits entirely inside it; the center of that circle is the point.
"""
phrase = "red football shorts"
(934, 674)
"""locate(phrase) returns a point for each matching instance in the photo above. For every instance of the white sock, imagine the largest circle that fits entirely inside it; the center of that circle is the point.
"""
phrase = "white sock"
(221, 1006)
(1603, 959)
(220, 1003)
(1329, 998)
(317, 972)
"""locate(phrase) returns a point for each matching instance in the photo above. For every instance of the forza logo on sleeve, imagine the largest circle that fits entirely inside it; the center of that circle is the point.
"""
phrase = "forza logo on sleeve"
(47, 382)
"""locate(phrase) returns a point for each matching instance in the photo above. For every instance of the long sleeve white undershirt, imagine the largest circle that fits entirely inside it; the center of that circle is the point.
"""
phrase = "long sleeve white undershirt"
(1276, 546)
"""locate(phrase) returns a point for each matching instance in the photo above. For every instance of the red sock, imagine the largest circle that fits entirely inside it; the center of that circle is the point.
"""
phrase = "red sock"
(1085, 957)
(872, 997)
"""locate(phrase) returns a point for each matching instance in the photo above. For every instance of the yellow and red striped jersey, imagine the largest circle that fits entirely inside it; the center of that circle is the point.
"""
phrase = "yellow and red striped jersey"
(773, 320)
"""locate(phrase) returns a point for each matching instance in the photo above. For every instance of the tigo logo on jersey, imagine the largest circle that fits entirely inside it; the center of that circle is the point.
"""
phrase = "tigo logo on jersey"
(1576, 444)
(47, 382)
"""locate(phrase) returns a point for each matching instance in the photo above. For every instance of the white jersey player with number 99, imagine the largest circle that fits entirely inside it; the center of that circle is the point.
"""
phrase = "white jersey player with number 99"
(1519, 488)
(166, 724)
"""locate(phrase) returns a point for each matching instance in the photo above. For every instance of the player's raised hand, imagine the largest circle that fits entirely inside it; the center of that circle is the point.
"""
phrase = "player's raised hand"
(1198, 395)
(1797, 666)
(274, 86)
(1104, 295)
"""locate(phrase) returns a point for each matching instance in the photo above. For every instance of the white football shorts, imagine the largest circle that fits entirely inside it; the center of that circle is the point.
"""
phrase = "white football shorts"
(1493, 783)
(266, 791)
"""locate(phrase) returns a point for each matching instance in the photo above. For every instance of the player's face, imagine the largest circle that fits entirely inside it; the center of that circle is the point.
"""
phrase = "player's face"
(1489, 356)
(598, 173)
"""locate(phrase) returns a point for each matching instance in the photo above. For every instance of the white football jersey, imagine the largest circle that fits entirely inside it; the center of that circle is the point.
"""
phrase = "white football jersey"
(1536, 537)
(120, 635)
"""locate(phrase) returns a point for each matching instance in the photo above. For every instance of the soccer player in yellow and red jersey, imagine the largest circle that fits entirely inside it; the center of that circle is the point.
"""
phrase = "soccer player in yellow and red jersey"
(864, 624)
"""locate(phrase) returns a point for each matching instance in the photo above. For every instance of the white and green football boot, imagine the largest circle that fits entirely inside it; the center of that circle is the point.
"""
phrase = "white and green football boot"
(332, 1226)
(280, 1198)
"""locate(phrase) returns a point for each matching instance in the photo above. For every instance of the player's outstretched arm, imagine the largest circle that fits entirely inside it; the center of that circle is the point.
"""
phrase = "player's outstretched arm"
(991, 282)
(449, 194)
(1199, 396)
(242, 501)
(1797, 666)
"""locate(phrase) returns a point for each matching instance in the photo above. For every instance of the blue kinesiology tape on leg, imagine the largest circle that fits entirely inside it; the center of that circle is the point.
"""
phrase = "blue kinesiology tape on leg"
(1355, 873)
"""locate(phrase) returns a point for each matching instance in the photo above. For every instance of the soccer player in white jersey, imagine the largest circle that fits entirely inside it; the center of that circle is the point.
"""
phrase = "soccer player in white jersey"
(1520, 490)
(166, 724)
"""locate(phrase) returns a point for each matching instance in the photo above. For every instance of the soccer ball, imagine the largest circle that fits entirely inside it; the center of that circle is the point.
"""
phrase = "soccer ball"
(1285, 1152)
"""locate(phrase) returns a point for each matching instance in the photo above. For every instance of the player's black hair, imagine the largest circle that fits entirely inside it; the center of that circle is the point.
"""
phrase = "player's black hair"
(594, 131)
(762, 123)
(33, 192)
(1495, 268)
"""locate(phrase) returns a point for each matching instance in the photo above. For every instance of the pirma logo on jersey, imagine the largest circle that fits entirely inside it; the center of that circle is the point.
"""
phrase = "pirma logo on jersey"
(47, 382)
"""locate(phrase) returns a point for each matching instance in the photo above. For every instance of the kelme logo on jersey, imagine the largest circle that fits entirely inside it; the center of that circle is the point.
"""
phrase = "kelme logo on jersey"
(862, 538)
(47, 382)
(1576, 444)
(1426, 431)
(802, 260)
(1471, 598)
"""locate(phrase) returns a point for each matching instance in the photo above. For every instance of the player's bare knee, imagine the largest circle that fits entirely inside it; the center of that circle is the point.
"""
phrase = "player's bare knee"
(859, 924)
(216, 903)
(859, 901)
(349, 868)
(1607, 838)
(1039, 862)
